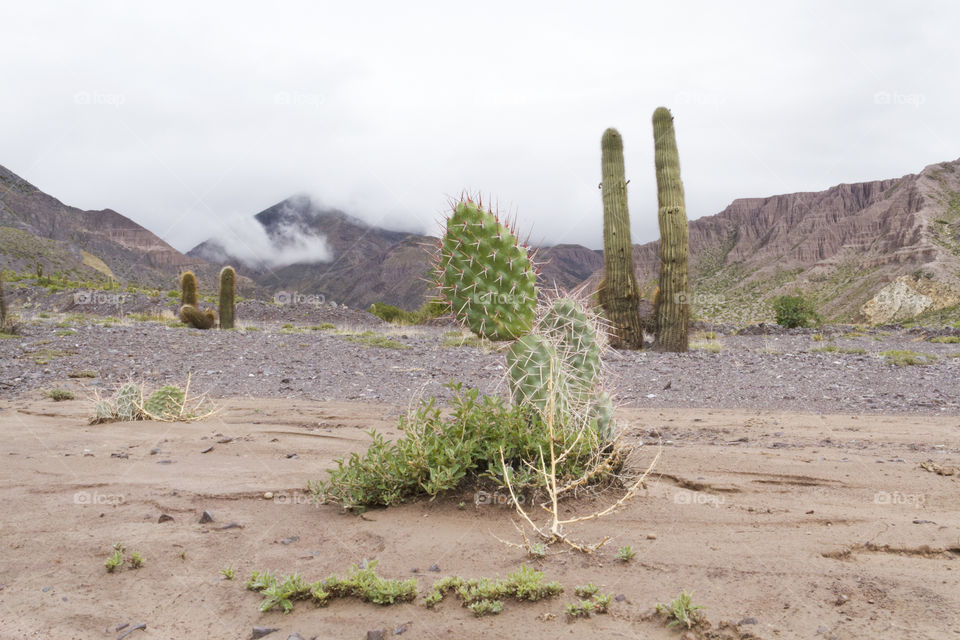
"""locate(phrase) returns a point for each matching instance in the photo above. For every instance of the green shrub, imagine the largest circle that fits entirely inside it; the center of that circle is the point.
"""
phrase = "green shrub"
(390, 313)
(794, 311)
(437, 454)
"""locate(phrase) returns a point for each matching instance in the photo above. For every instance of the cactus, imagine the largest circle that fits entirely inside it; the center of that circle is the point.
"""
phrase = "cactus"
(673, 310)
(104, 411)
(486, 274)
(166, 403)
(228, 287)
(188, 289)
(531, 362)
(3, 305)
(618, 292)
(602, 411)
(196, 318)
(127, 402)
(578, 340)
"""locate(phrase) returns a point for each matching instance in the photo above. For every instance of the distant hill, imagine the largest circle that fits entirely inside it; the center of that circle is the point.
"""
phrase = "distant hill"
(36, 228)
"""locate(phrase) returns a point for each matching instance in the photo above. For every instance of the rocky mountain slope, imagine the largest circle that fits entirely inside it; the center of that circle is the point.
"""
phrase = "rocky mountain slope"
(36, 228)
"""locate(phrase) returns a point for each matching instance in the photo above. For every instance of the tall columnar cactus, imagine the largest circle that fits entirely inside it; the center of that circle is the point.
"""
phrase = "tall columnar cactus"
(486, 274)
(228, 287)
(3, 304)
(673, 309)
(188, 289)
(618, 292)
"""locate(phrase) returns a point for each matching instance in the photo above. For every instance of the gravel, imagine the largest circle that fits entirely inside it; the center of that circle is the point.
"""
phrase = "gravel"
(767, 369)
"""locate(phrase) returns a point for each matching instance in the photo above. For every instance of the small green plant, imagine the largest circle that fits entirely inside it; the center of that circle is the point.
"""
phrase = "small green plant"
(486, 607)
(832, 348)
(228, 572)
(58, 395)
(903, 358)
(681, 611)
(390, 313)
(84, 373)
(136, 560)
(523, 584)
(115, 560)
(794, 311)
(586, 590)
(945, 340)
(361, 582)
(371, 339)
(538, 550)
(626, 553)
(818, 337)
(592, 601)
(325, 326)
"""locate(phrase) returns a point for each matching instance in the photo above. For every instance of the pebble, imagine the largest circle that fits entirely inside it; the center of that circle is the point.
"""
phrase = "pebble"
(748, 621)
(651, 536)
(376, 634)
(259, 632)
(207, 450)
(399, 629)
(164, 518)
(268, 495)
(46, 589)
(232, 525)
(206, 517)
(294, 636)
(290, 540)
(291, 455)
(435, 568)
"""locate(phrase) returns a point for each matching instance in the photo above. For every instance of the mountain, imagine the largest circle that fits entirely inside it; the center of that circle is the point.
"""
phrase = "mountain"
(36, 228)
(875, 251)
(364, 264)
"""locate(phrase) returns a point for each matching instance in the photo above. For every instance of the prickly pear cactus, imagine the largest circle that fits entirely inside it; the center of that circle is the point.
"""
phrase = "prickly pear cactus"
(579, 343)
(531, 362)
(602, 411)
(127, 402)
(104, 411)
(166, 403)
(486, 274)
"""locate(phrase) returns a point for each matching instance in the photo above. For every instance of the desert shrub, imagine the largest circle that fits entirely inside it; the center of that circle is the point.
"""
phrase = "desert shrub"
(794, 311)
(390, 313)
(438, 453)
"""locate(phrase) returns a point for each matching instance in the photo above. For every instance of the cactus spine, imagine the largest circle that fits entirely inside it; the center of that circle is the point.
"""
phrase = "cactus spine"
(188, 289)
(673, 308)
(619, 294)
(228, 287)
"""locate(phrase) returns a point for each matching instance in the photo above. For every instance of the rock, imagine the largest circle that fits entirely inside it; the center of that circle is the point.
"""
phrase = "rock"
(259, 632)
(46, 589)
(294, 636)
(651, 536)
(207, 450)
(435, 568)
(290, 540)
(747, 621)
(620, 598)
(87, 453)
(376, 634)
(268, 495)
(291, 455)
(154, 451)
(232, 525)
(164, 518)
(399, 629)
(206, 517)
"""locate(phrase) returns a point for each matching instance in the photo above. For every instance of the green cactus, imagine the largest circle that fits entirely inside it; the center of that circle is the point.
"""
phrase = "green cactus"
(3, 304)
(486, 274)
(196, 318)
(532, 361)
(228, 287)
(618, 292)
(578, 340)
(601, 410)
(673, 308)
(127, 402)
(166, 403)
(104, 411)
(188, 289)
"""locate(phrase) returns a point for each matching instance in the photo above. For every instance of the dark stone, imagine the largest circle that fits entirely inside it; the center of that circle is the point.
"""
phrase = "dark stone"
(376, 634)
(164, 518)
(259, 632)
(748, 621)
(206, 517)
(207, 450)
(232, 525)
(435, 568)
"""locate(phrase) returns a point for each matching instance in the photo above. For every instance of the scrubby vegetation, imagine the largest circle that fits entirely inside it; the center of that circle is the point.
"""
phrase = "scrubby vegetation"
(795, 311)
(390, 313)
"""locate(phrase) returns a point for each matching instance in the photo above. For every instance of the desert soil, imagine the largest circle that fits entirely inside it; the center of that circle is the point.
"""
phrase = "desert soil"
(789, 497)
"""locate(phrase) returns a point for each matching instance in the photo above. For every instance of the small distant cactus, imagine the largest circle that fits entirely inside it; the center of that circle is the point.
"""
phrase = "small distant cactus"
(673, 307)
(166, 403)
(127, 402)
(188, 289)
(228, 287)
(196, 318)
(3, 304)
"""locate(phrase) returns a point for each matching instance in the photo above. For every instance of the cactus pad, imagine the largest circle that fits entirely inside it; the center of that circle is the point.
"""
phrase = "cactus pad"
(166, 403)
(578, 339)
(486, 274)
(602, 411)
(127, 402)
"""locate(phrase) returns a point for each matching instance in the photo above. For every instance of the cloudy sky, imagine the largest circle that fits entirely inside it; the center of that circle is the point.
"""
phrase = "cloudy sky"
(188, 116)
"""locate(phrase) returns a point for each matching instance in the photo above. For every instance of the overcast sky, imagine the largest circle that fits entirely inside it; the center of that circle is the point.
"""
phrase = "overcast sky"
(187, 116)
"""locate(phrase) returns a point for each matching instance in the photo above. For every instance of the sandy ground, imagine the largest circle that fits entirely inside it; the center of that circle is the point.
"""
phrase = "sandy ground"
(814, 526)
